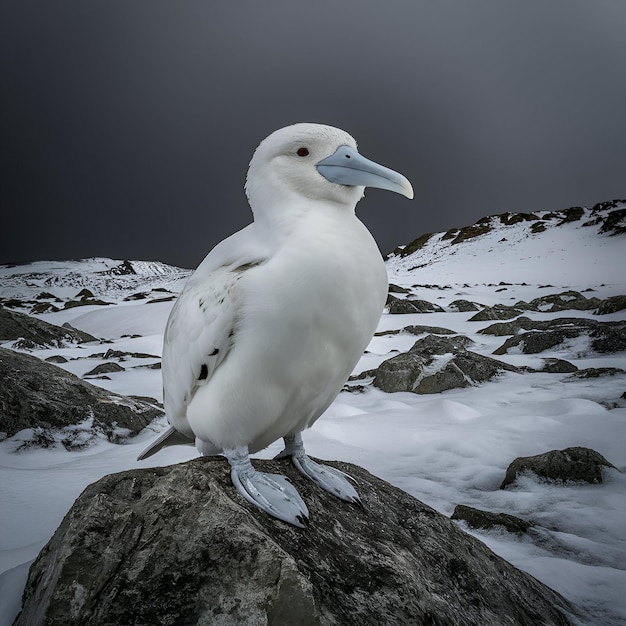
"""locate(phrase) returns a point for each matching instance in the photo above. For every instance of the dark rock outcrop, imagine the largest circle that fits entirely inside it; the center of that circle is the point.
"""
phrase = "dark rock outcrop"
(558, 366)
(610, 216)
(44, 307)
(41, 396)
(463, 306)
(399, 306)
(56, 358)
(397, 289)
(467, 232)
(597, 372)
(565, 301)
(70, 304)
(125, 268)
(417, 330)
(105, 368)
(569, 465)
(435, 364)
(414, 245)
(475, 518)
(178, 545)
(611, 305)
(35, 333)
(510, 219)
(573, 214)
(498, 312)
(605, 337)
(513, 327)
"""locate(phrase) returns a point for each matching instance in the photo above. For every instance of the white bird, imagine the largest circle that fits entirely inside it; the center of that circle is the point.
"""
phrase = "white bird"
(271, 324)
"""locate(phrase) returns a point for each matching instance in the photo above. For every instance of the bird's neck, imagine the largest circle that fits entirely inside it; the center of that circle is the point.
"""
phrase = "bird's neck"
(278, 217)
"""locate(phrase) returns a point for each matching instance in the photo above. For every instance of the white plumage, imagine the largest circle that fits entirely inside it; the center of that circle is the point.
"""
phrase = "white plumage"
(273, 321)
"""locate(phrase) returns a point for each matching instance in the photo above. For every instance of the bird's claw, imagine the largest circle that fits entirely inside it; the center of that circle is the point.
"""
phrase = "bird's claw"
(328, 478)
(272, 493)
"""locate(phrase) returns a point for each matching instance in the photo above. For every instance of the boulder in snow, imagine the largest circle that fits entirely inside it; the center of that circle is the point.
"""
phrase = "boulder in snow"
(569, 465)
(178, 545)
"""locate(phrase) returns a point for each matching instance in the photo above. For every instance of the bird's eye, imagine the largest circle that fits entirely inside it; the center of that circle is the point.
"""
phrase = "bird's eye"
(302, 152)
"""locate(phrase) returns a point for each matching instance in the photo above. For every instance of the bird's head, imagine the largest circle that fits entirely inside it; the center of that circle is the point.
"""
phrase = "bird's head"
(316, 162)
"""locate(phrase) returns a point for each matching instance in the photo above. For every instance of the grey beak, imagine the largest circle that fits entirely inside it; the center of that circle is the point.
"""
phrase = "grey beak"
(347, 167)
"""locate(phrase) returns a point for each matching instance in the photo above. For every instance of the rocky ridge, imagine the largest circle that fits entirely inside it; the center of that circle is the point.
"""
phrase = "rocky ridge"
(609, 218)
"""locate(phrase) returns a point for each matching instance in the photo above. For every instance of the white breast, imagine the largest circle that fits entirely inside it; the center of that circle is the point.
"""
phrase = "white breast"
(307, 315)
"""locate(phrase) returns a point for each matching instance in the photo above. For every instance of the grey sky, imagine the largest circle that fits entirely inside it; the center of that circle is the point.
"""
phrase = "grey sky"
(126, 127)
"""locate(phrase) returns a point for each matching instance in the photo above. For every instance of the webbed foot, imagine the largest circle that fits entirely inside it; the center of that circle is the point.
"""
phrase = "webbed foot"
(272, 493)
(328, 478)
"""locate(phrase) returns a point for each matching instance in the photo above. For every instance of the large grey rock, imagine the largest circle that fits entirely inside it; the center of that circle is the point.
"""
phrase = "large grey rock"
(498, 312)
(486, 520)
(41, 396)
(105, 368)
(417, 330)
(402, 306)
(611, 305)
(567, 300)
(435, 364)
(597, 372)
(513, 327)
(463, 306)
(397, 289)
(558, 366)
(572, 464)
(33, 332)
(605, 337)
(177, 545)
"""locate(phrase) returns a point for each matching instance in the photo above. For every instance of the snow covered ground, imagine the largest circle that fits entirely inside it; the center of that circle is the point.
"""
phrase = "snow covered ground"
(445, 449)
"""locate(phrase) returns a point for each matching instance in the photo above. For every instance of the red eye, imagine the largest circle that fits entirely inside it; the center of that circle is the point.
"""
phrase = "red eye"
(302, 152)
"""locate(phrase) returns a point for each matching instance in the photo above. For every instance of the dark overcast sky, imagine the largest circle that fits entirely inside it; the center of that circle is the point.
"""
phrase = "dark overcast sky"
(127, 126)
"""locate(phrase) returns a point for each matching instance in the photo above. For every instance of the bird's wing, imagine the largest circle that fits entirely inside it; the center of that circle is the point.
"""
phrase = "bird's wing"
(201, 328)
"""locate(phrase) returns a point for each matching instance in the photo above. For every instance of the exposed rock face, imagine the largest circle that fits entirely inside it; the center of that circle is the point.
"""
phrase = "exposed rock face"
(516, 326)
(436, 364)
(123, 269)
(558, 366)
(70, 304)
(498, 312)
(463, 306)
(597, 372)
(414, 245)
(543, 335)
(33, 332)
(398, 306)
(41, 396)
(178, 545)
(397, 289)
(612, 305)
(612, 222)
(571, 464)
(104, 368)
(568, 300)
(508, 219)
(434, 330)
(467, 232)
(475, 518)
(417, 330)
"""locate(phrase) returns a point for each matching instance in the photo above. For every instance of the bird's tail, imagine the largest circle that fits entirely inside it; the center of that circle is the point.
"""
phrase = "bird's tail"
(171, 437)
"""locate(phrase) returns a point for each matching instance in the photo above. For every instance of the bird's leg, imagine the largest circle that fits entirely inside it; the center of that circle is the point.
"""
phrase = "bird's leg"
(271, 492)
(328, 478)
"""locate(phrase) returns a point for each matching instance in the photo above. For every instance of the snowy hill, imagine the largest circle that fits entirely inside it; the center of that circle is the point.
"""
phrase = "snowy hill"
(578, 247)
(559, 273)
(103, 277)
